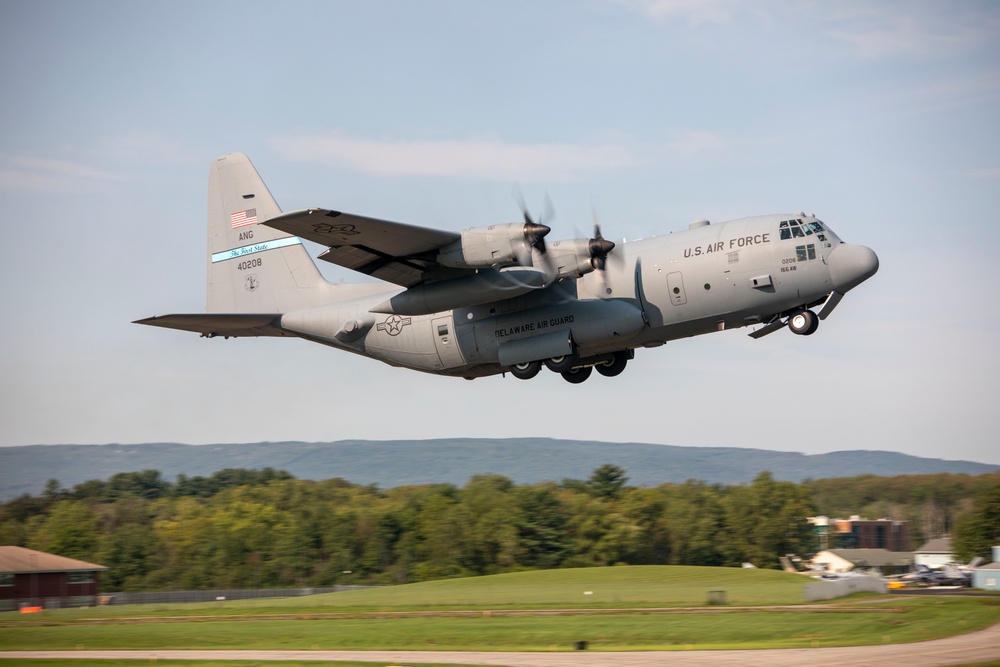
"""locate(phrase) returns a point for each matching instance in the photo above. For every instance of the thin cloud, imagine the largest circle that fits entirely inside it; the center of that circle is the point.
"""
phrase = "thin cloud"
(988, 174)
(150, 147)
(868, 32)
(909, 36)
(941, 94)
(694, 11)
(713, 148)
(39, 174)
(494, 159)
(487, 158)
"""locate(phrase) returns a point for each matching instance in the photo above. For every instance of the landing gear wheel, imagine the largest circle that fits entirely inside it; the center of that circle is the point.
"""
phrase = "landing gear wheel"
(609, 369)
(561, 364)
(527, 370)
(577, 375)
(803, 322)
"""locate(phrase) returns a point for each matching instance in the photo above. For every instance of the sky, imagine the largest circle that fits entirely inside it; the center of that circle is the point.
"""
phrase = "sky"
(882, 118)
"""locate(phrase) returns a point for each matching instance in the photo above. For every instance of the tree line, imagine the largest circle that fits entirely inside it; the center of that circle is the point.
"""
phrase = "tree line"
(246, 528)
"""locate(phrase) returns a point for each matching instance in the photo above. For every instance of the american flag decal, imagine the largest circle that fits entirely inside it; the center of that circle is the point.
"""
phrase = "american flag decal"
(244, 218)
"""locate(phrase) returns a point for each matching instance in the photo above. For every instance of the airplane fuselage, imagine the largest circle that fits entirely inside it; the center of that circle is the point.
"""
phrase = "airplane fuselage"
(500, 298)
(707, 278)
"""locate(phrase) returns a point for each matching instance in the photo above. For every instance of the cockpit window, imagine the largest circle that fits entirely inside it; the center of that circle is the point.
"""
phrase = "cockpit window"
(798, 228)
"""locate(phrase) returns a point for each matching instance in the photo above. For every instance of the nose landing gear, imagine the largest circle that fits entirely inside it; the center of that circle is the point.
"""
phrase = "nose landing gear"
(803, 322)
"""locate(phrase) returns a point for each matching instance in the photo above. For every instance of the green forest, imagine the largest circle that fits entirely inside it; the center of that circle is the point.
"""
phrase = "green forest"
(264, 528)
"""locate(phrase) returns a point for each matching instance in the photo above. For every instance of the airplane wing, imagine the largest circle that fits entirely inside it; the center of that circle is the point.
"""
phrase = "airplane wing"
(390, 251)
(217, 324)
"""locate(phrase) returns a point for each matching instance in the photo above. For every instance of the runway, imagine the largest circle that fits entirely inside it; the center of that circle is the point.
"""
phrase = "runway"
(981, 646)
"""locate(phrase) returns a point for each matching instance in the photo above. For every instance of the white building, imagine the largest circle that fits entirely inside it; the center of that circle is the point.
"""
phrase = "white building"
(935, 553)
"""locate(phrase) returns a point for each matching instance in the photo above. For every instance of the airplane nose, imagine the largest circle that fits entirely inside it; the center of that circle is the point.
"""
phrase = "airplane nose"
(851, 265)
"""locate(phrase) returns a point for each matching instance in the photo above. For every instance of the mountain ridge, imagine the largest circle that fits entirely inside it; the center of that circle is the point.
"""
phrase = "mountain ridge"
(390, 463)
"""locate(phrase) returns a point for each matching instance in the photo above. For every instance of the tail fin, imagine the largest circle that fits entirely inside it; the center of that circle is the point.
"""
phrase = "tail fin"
(253, 268)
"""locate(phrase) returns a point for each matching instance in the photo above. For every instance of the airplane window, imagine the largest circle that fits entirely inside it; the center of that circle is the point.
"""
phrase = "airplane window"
(800, 228)
(805, 252)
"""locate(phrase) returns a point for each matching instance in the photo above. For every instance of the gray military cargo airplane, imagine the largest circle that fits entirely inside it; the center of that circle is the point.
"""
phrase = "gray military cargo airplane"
(500, 298)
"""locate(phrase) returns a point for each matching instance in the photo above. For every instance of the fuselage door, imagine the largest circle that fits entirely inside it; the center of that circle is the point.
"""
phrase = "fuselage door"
(675, 284)
(446, 342)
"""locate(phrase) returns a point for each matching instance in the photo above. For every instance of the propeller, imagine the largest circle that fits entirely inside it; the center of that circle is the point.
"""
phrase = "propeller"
(599, 249)
(534, 232)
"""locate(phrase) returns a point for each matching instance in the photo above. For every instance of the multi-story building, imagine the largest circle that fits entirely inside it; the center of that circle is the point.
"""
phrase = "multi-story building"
(858, 533)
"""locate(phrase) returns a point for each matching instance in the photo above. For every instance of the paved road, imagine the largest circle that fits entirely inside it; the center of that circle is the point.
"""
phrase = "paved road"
(982, 646)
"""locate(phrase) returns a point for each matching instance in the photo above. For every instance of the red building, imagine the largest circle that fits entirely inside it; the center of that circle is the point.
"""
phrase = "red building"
(858, 533)
(30, 578)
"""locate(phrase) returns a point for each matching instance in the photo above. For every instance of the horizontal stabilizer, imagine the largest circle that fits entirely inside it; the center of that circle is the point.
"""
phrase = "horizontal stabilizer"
(220, 324)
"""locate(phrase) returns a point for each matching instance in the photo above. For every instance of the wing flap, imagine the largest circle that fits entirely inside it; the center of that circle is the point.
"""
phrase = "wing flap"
(215, 324)
(391, 251)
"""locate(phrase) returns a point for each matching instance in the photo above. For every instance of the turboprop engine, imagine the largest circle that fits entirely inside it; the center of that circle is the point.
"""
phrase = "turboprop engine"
(510, 260)
(576, 257)
(523, 244)
(494, 246)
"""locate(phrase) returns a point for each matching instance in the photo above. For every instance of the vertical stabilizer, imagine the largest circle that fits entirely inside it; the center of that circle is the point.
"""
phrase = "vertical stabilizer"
(253, 268)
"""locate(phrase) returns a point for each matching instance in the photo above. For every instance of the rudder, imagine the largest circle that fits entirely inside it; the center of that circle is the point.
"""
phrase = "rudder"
(253, 268)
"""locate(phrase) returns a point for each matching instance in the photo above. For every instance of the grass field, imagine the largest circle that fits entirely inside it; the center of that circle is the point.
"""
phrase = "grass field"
(44, 662)
(906, 620)
(256, 663)
(628, 608)
(638, 586)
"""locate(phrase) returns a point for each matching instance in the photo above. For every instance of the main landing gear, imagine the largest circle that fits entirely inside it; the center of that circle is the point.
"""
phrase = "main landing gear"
(574, 369)
(803, 322)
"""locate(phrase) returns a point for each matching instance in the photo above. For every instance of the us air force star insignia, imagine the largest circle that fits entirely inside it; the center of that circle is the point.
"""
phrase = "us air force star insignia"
(344, 229)
(393, 324)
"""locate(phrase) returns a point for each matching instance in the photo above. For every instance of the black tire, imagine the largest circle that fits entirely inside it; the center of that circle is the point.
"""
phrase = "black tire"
(578, 375)
(527, 370)
(561, 364)
(803, 322)
(614, 367)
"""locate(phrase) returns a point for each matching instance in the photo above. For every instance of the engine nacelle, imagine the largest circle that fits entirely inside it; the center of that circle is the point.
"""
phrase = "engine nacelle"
(569, 259)
(493, 246)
